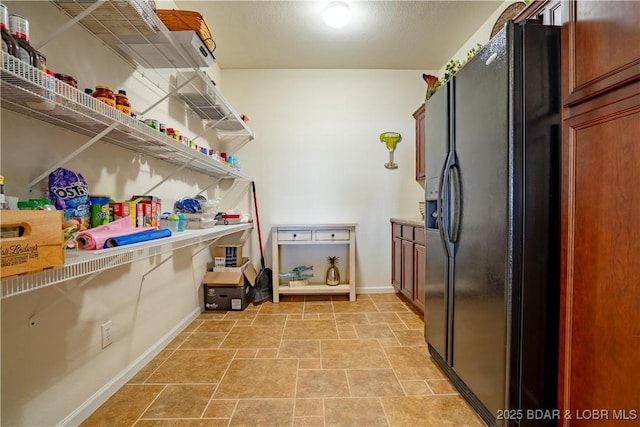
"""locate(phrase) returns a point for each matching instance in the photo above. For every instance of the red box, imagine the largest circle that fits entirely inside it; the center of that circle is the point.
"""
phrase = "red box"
(118, 210)
(148, 210)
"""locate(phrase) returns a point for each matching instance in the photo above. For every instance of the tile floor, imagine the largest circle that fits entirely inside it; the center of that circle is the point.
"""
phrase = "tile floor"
(307, 361)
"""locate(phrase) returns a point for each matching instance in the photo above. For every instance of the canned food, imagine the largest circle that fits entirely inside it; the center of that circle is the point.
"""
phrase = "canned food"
(105, 94)
(122, 102)
(70, 80)
(152, 123)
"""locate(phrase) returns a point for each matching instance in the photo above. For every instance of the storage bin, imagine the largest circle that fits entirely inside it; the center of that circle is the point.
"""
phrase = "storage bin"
(30, 241)
(182, 20)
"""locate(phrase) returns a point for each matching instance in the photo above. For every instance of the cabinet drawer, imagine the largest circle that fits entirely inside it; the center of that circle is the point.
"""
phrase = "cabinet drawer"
(397, 230)
(419, 236)
(407, 232)
(330, 235)
(294, 235)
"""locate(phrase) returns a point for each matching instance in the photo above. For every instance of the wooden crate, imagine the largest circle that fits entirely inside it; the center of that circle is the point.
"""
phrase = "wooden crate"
(30, 241)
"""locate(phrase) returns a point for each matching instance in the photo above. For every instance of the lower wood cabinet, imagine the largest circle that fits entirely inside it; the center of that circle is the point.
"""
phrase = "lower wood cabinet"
(408, 260)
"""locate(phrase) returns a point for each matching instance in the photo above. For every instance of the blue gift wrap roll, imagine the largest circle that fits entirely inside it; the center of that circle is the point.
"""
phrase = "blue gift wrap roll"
(139, 237)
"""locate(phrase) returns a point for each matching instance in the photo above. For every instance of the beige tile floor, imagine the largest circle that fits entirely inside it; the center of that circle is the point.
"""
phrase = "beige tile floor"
(307, 361)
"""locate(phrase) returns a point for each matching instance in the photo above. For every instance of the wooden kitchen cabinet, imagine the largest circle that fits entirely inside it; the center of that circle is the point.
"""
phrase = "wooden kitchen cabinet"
(419, 266)
(548, 11)
(419, 116)
(600, 296)
(408, 260)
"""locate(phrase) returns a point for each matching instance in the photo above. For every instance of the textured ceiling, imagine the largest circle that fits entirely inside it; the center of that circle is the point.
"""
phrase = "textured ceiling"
(408, 35)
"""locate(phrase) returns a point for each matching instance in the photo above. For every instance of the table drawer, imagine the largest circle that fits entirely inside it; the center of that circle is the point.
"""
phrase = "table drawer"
(294, 235)
(419, 236)
(397, 230)
(332, 235)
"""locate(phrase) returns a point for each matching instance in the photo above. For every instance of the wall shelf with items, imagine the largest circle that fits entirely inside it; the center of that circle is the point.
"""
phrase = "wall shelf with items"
(199, 92)
(29, 91)
(134, 29)
(35, 94)
(83, 263)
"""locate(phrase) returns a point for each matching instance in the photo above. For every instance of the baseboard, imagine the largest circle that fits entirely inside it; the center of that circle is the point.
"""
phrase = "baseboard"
(384, 289)
(89, 406)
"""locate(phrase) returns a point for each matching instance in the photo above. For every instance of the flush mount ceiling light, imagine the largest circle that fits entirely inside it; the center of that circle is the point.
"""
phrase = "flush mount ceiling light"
(337, 14)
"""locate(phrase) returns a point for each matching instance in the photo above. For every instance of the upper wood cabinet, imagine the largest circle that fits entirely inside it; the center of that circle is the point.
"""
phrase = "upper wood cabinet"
(600, 231)
(418, 115)
(601, 47)
(548, 11)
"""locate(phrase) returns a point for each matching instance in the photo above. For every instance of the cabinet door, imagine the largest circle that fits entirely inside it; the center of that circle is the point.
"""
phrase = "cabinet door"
(419, 116)
(600, 320)
(548, 11)
(407, 269)
(396, 264)
(600, 47)
(419, 261)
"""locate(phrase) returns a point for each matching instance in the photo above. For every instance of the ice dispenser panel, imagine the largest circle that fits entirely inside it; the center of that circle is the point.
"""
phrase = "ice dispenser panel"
(431, 204)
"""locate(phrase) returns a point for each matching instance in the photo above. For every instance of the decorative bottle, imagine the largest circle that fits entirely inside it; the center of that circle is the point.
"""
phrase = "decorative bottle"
(333, 274)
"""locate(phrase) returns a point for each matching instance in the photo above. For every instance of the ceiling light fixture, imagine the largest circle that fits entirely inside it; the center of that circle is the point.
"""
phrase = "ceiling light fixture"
(337, 14)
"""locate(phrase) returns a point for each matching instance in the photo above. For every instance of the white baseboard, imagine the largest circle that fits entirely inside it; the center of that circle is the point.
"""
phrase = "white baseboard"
(89, 406)
(383, 289)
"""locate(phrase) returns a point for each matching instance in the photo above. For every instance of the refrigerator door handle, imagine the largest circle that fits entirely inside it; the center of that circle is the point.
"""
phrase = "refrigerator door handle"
(456, 204)
(445, 217)
(443, 200)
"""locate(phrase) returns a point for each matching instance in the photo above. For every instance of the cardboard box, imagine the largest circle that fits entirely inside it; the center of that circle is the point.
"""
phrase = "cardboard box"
(30, 241)
(229, 290)
(228, 256)
(242, 268)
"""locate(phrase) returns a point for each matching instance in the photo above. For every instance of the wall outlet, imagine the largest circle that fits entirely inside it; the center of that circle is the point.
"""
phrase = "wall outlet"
(107, 338)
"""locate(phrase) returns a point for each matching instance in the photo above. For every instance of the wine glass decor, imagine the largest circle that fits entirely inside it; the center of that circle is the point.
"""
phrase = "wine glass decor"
(391, 140)
(333, 274)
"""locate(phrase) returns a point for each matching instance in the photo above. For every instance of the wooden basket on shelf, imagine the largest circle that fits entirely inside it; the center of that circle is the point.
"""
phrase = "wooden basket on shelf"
(183, 20)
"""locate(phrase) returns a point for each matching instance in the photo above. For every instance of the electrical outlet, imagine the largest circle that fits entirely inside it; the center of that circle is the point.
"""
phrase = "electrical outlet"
(107, 338)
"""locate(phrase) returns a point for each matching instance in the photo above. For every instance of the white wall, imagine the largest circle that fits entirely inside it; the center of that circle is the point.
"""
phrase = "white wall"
(317, 157)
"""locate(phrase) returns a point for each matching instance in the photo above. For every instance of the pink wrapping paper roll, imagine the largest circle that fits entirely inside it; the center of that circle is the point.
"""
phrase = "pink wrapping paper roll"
(94, 238)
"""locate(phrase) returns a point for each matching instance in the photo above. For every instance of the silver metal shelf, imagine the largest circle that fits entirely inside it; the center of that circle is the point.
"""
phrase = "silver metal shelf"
(83, 263)
(29, 91)
(204, 98)
(132, 27)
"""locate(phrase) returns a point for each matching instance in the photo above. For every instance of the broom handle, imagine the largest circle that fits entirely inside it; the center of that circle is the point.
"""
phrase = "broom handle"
(255, 204)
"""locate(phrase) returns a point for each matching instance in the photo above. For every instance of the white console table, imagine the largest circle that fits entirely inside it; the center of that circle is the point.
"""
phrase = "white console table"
(310, 245)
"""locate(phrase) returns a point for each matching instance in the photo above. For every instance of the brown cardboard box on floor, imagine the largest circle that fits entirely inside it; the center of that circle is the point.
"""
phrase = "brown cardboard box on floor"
(228, 256)
(229, 290)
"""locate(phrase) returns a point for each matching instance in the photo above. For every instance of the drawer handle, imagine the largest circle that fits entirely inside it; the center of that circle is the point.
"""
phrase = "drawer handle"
(333, 235)
(294, 235)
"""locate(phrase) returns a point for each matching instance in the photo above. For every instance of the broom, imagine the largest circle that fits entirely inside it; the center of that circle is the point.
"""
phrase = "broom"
(264, 285)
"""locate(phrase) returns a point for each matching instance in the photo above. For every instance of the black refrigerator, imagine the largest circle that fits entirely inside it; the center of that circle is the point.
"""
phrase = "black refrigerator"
(492, 224)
